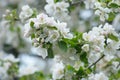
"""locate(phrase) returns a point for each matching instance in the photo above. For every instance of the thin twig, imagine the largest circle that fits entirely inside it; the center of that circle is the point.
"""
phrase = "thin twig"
(76, 3)
(118, 65)
(96, 61)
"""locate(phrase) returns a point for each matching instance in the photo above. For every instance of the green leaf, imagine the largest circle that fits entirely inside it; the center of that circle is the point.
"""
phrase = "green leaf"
(113, 37)
(81, 72)
(34, 14)
(55, 1)
(83, 57)
(12, 28)
(18, 29)
(106, 1)
(111, 16)
(13, 69)
(35, 76)
(70, 69)
(71, 8)
(50, 53)
(32, 36)
(52, 27)
(32, 24)
(63, 46)
(113, 5)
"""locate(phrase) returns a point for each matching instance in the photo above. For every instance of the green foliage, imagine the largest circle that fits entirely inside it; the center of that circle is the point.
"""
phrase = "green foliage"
(77, 74)
(32, 36)
(35, 76)
(70, 69)
(105, 1)
(13, 70)
(48, 46)
(57, 1)
(111, 16)
(74, 41)
(31, 24)
(113, 5)
(83, 58)
(34, 13)
(115, 76)
(50, 52)
(81, 72)
(52, 27)
(113, 37)
(63, 45)
(71, 8)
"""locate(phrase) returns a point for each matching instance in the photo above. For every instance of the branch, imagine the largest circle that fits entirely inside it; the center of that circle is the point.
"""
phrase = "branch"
(118, 65)
(76, 3)
(96, 61)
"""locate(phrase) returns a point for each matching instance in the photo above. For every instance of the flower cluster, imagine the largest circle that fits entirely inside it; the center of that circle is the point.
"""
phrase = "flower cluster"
(59, 10)
(104, 8)
(6, 61)
(100, 40)
(101, 11)
(44, 29)
(53, 51)
(98, 76)
(26, 13)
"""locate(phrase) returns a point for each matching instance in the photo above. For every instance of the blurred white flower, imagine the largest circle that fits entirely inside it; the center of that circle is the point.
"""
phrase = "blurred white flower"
(11, 58)
(102, 11)
(26, 13)
(98, 76)
(57, 71)
(40, 51)
(85, 47)
(62, 27)
(30, 65)
(52, 36)
(58, 10)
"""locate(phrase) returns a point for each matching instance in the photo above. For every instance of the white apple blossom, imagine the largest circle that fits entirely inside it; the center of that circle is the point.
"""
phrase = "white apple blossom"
(26, 13)
(85, 47)
(100, 45)
(45, 29)
(11, 58)
(6, 61)
(52, 36)
(108, 29)
(40, 51)
(98, 76)
(57, 70)
(26, 70)
(89, 4)
(30, 64)
(27, 30)
(58, 10)
(62, 27)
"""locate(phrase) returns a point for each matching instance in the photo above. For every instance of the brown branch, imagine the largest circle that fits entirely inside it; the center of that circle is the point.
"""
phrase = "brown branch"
(96, 61)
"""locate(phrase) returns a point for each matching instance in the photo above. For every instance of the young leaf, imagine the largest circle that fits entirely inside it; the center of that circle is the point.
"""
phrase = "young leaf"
(70, 69)
(113, 37)
(32, 24)
(83, 57)
(111, 16)
(113, 5)
(50, 53)
(63, 46)
(55, 1)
